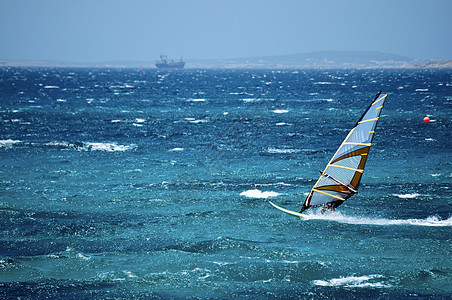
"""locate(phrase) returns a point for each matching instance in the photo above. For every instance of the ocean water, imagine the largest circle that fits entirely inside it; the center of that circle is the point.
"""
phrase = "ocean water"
(120, 184)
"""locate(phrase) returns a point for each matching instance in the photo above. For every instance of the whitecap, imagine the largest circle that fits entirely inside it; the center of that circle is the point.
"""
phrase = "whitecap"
(57, 144)
(283, 124)
(51, 87)
(259, 194)
(109, 147)
(61, 100)
(140, 120)
(196, 100)
(82, 256)
(177, 149)
(421, 90)
(282, 151)
(280, 111)
(199, 121)
(8, 143)
(291, 261)
(222, 263)
(353, 281)
(129, 274)
(407, 196)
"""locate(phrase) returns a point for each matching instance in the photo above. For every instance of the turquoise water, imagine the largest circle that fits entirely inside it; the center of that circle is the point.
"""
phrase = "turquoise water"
(128, 184)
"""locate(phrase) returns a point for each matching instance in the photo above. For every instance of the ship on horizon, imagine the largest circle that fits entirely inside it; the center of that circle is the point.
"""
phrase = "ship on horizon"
(164, 63)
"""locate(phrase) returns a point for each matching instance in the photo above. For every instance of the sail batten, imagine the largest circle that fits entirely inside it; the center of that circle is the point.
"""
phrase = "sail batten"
(341, 177)
(360, 144)
(339, 166)
(368, 120)
(325, 193)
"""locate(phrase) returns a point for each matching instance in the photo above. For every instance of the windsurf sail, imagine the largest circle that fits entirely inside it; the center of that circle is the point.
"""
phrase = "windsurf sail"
(341, 177)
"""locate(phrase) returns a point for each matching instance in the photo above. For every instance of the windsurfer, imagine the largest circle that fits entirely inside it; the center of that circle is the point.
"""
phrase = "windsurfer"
(331, 205)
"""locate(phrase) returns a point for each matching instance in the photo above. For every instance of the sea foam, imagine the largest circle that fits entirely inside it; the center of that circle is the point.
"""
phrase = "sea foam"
(8, 143)
(110, 147)
(353, 281)
(259, 194)
(282, 151)
(280, 111)
(91, 146)
(432, 221)
(407, 196)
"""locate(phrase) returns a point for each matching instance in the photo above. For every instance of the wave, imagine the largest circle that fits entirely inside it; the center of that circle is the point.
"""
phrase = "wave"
(259, 194)
(280, 111)
(199, 121)
(406, 196)
(92, 146)
(282, 151)
(8, 143)
(354, 281)
(82, 146)
(110, 147)
(196, 100)
(432, 221)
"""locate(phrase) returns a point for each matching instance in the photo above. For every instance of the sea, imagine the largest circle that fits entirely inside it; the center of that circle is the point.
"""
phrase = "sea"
(152, 184)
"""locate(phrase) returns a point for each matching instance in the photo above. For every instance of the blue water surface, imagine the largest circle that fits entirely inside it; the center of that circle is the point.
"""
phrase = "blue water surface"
(121, 183)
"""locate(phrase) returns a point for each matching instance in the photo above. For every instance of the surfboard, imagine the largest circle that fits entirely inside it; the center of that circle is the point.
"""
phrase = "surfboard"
(293, 213)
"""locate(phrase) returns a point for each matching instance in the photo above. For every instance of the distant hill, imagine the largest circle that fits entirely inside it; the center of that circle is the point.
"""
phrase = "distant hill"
(321, 59)
(311, 60)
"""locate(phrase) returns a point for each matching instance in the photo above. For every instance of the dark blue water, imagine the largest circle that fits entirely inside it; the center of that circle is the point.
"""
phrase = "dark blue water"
(128, 184)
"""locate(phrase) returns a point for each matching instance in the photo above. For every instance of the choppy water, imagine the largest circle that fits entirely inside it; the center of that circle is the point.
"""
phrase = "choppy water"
(122, 184)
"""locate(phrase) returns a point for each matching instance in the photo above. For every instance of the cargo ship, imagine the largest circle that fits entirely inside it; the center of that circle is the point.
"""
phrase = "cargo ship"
(164, 63)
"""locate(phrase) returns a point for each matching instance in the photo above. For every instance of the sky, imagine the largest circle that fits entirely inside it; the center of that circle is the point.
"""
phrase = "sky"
(141, 30)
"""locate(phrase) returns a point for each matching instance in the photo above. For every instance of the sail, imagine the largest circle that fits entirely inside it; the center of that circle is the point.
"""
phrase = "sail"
(342, 175)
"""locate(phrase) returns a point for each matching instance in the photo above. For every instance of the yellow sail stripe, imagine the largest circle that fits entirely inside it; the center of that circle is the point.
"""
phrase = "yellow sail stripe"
(339, 166)
(372, 131)
(334, 196)
(360, 144)
(368, 120)
(380, 107)
(381, 98)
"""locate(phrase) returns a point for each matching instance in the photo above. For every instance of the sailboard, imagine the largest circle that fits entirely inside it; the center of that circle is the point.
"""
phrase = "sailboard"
(289, 212)
(342, 175)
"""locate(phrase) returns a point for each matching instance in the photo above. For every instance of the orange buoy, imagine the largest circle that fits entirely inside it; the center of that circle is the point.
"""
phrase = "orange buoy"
(426, 119)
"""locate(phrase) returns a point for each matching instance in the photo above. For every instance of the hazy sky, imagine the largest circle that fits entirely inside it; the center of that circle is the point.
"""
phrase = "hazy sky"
(94, 30)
